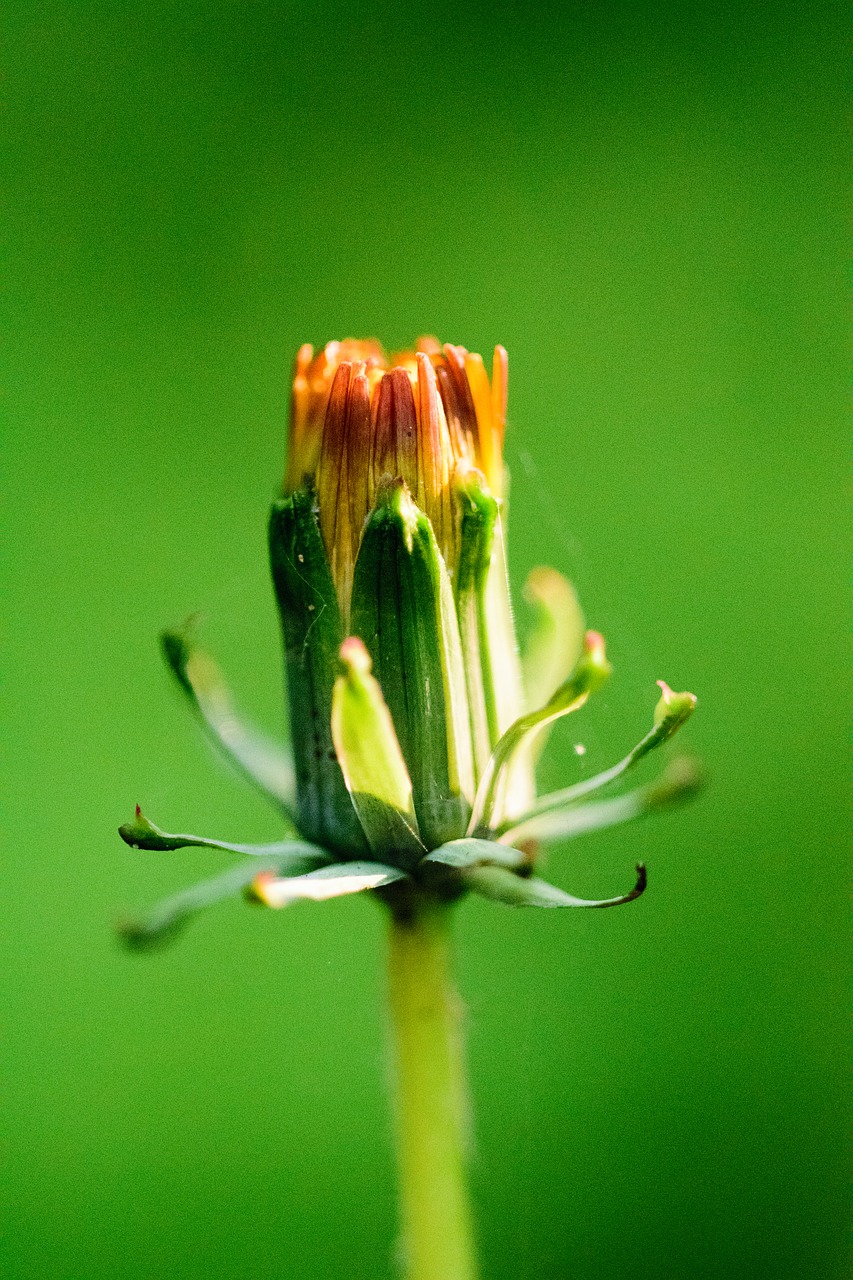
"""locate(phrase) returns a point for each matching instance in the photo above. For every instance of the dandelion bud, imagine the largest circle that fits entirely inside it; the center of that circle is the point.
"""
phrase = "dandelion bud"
(390, 529)
(410, 771)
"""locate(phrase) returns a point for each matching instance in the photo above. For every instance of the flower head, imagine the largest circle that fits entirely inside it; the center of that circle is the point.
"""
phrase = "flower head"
(414, 736)
(429, 417)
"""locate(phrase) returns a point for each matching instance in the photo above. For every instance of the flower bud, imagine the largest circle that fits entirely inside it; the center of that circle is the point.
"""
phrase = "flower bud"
(390, 529)
(411, 773)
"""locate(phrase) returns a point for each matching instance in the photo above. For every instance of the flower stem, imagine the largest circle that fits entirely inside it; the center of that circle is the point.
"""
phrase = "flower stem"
(429, 1084)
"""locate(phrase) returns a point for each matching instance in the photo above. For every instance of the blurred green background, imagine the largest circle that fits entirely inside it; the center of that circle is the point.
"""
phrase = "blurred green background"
(642, 202)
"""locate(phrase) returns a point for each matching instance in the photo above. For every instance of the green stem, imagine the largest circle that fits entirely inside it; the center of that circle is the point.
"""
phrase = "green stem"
(429, 1084)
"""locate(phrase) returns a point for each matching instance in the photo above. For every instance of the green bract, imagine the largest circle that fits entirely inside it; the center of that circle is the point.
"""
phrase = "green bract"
(413, 736)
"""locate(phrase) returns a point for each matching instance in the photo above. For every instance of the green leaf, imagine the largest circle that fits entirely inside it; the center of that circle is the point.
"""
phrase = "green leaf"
(143, 834)
(516, 891)
(329, 882)
(476, 853)
(680, 781)
(403, 610)
(263, 762)
(371, 760)
(313, 634)
(590, 673)
(162, 923)
(672, 711)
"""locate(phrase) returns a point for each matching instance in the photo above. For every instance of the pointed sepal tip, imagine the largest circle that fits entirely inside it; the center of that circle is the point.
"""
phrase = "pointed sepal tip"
(673, 709)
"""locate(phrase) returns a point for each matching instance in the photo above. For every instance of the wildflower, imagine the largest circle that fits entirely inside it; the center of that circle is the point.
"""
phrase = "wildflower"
(414, 733)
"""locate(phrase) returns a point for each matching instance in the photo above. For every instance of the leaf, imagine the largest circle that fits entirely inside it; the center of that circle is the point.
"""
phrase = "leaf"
(143, 834)
(590, 673)
(373, 767)
(672, 711)
(329, 882)
(681, 780)
(163, 922)
(515, 891)
(475, 853)
(259, 759)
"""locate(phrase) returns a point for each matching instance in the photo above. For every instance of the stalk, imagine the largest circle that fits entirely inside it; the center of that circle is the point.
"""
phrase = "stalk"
(430, 1098)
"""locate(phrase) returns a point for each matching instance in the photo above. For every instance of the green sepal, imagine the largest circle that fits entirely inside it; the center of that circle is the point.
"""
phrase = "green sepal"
(371, 761)
(403, 610)
(263, 762)
(518, 786)
(468, 852)
(590, 673)
(517, 891)
(478, 519)
(163, 922)
(143, 834)
(336, 881)
(680, 781)
(313, 634)
(672, 711)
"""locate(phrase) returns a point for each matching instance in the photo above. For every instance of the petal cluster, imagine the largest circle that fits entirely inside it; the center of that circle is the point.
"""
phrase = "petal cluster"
(429, 417)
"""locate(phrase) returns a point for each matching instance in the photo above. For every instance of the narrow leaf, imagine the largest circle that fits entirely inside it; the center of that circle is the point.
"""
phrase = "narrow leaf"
(317, 886)
(373, 767)
(143, 834)
(516, 891)
(589, 674)
(262, 761)
(672, 711)
(163, 922)
(476, 853)
(680, 781)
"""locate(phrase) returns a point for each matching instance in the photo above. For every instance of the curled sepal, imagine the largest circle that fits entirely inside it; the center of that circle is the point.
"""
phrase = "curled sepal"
(143, 834)
(518, 891)
(671, 712)
(555, 642)
(317, 886)
(589, 674)
(373, 767)
(162, 923)
(262, 761)
(461, 854)
(680, 781)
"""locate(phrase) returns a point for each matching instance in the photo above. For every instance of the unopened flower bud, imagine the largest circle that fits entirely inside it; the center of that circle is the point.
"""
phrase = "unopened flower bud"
(390, 530)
